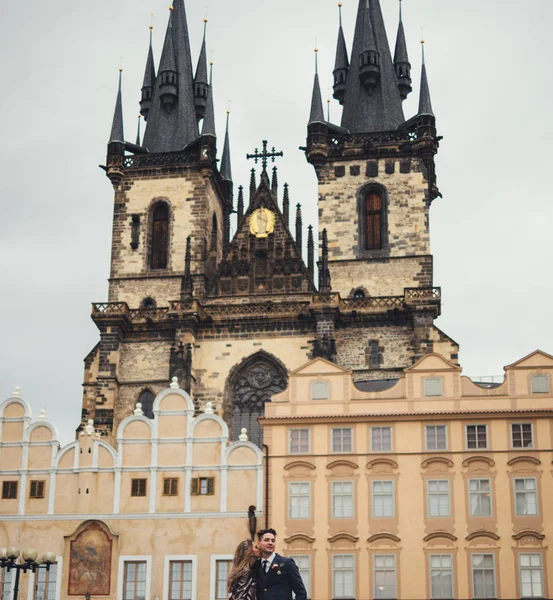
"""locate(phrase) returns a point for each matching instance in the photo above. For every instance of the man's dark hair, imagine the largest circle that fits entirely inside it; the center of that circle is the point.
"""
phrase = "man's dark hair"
(262, 532)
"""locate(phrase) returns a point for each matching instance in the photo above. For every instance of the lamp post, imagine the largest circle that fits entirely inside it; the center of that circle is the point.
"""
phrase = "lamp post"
(30, 562)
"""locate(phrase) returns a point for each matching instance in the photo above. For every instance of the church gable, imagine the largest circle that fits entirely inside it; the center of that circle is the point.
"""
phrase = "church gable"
(263, 258)
(536, 359)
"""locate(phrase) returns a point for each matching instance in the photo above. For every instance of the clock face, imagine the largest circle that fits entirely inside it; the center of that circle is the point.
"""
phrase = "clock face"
(262, 222)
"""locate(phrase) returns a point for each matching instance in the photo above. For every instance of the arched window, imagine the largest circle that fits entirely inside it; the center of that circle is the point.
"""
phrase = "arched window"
(374, 220)
(148, 303)
(160, 236)
(359, 294)
(214, 233)
(147, 401)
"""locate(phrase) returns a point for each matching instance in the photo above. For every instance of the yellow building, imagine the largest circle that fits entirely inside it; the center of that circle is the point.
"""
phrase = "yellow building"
(433, 488)
(159, 515)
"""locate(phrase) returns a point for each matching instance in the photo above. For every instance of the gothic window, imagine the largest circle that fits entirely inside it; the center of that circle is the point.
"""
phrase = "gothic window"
(372, 355)
(147, 401)
(148, 303)
(160, 236)
(214, 234)
(374, 220)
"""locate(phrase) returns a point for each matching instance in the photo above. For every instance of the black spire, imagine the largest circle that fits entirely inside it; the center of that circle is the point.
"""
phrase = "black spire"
(117, 134)
(310, 252)
(286, 205)
(253, 185)
(240, 209)
(201, 84)
(274, 182)
(380, 111)
(226, 171)
(341, 66)
(425, 104)
(138, 131)
(324, 273)
(208, 127)
(149, 81)
(317, 112)
(299, 228)
(401, 60)
(369, 69)
(172, 121)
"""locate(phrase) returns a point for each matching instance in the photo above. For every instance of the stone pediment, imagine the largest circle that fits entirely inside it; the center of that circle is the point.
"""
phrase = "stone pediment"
(536, 359)
(433, 362)
(320, 366)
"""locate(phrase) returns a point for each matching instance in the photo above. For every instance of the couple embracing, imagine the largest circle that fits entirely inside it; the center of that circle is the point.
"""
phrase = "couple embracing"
(259, 573)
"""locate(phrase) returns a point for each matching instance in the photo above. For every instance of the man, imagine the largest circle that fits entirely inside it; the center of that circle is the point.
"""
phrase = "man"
(277, 576)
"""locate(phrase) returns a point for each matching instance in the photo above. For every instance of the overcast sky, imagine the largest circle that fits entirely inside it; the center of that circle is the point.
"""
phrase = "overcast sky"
(489, 66)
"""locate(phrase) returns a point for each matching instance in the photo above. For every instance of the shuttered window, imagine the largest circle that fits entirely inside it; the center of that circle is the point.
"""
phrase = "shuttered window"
(374, 220)
(203, 486)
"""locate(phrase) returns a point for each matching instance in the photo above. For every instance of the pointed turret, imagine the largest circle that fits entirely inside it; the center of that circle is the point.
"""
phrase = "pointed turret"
(149, 81)
(274, 182)
(425, 103)
(240, 208)
(168, 76)
(117, 133)
(317, 112)
(286, 205)
(341, 66)
(201, 84)
(208, 127)
(401, 60)
(253, 185)
(299, 228)
(226, 171)
(138, 130)
(310, 252)
(369, 58)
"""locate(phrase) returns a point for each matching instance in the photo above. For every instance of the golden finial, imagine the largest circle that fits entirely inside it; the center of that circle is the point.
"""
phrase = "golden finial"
(206, 12)
(339, 5)
(211, 63)
(171, 7)
(151, 21)
(422, 35)
(121, 64)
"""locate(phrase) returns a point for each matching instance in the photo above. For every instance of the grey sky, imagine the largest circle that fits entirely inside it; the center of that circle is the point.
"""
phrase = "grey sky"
(489, 70)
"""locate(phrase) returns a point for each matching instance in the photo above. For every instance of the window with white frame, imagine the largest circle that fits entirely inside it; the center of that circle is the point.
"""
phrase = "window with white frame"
(134, 583)
(343, 571)
(522, 435)
(540, 384)
(530, 575)
(526, 496)
(320, 390)
(222, 569)
(483, 575)
(383, 499)
(438, 498)
(342, 499)
(480, 497)
(433, 386)
(299, 499)
(180, 582)
(46, 583)
(441, 576)
(342, 439)
(304, 567)
(5, 584)
(385, 576)
(477, 437)
(381, 439)
(436, 437)
(299, 441)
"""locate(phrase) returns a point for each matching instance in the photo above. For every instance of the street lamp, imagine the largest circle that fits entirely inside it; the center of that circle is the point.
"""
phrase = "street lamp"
(31, 561)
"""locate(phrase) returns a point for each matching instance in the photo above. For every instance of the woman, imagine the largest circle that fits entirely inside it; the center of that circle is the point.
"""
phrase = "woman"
(241, 580)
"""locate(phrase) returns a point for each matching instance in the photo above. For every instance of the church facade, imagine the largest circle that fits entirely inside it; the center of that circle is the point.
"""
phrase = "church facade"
(230, 318)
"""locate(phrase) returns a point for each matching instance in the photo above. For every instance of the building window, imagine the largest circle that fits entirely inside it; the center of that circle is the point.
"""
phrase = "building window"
(383, 499)
(522, 435)
(171, 486)
(180, 587)
(531, 576)
(134, 584)
(202, 486)
(433, 386)
(299, 441)
(160, 236)
(374, 221)
(477, 437)
(480, 498)
(299, 500)
(138, 487)
(9, 490)
(359, 295)
(37, 489)
(342, 499)
(5, 584)
(483, 575)
(304, 567)
(222, 569)
(372, 355)
(46, 583)
(540, 384)
(526, 496)
(441, 576)
(342, 439)
(147, 401)
(438, 498)
(436, 437)
(343, 571)
(381, 439)
(320, 390)
(385, 576)
(148, 304)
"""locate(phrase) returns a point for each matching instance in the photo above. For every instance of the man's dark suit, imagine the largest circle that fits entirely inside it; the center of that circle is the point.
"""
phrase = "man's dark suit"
(281, 580)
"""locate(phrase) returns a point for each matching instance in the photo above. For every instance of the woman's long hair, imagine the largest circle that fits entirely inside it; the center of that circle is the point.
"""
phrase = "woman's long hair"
(240, 563)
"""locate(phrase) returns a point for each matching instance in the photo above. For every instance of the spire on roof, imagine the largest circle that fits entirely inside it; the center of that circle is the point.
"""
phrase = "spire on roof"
(299, 228)
(401, 60)
(286, 205)
(208, 127)
(226, 171)
(201, 84)
(274, 182)
(317, 113)
(138, 130)
(253, 185)
(149, 81)
(369, 70)
(381, 110)
(172, 123)
(117, 134)
(240, 208)
(310, 252)
(341, 66)
(425, 103)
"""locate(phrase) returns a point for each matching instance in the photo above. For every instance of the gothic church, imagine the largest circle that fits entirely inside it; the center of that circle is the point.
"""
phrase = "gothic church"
(230, 318)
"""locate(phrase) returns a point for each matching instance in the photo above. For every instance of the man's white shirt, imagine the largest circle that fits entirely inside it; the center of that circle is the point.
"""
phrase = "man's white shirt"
(269, 561)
